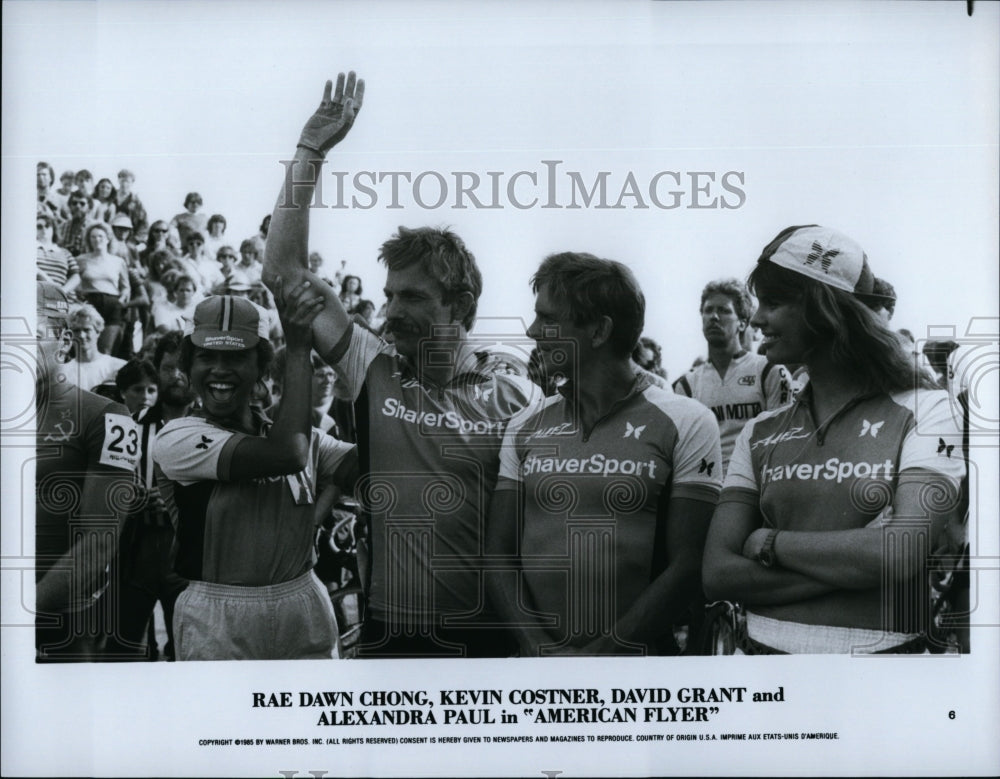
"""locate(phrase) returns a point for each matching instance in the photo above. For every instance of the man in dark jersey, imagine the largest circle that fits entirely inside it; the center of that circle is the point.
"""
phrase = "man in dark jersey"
(606, 491)
(87, 452)
(430, 409)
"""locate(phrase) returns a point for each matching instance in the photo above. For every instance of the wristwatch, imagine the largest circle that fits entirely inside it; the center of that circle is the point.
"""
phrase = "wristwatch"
(766, 556)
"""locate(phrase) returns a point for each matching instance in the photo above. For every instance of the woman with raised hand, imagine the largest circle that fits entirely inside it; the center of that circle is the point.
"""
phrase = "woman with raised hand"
(831, 506)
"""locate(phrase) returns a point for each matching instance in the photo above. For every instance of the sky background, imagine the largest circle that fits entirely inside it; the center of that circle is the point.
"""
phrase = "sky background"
(877, 118)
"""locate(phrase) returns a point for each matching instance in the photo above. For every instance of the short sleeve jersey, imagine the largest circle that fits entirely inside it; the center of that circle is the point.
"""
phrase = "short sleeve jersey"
(842, 474)
(253, 532)
(429, 457)
(597, 499)
(81, 436)
(751, 385)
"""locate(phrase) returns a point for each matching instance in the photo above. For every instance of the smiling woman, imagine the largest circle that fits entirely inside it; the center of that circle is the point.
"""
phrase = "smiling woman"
(242, 491)
(832, 506)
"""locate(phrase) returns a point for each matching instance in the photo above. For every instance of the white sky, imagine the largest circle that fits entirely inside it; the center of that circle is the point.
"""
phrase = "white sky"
(879, 119)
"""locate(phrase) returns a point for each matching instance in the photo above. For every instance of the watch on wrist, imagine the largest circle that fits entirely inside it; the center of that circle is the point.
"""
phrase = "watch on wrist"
(766, 556)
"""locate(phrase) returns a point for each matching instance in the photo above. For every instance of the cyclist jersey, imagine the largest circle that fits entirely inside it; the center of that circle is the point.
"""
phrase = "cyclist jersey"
(429, 457)
(840, 475)
(751, 385)
(253, 532)
(594, 501)
(81, 437)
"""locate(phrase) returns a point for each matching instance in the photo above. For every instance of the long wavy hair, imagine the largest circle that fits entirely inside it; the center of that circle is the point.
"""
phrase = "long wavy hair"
(843, 329)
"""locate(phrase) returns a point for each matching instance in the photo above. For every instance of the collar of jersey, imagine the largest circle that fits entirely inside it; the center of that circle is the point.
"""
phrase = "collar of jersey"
(261, 422)
(640, 383)
(802, 402)
(476, 372)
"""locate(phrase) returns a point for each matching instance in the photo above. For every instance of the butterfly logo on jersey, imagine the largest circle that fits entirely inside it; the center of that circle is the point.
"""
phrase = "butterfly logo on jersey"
(943, 447)
(483, 393)
(706, 466)
(635, 432)
(205, 441)
(869, 428)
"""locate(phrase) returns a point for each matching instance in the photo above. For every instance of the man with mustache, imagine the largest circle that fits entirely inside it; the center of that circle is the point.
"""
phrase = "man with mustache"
(145, 561)
(431, 412)
(734, 383)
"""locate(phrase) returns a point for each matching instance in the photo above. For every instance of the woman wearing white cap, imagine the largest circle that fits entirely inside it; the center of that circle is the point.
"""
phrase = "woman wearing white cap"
(832, 505)
(242, 491)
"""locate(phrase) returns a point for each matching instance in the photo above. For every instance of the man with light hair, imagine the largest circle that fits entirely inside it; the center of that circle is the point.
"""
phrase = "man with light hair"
(734, 383)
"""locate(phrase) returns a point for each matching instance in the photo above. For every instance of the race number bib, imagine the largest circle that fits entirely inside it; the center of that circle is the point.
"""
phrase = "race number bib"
(121, 442)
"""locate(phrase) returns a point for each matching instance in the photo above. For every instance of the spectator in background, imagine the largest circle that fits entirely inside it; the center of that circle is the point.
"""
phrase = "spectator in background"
(105, 205)
(936, 354)
(156, 241)
(71, 234)
(53, 263)
(251, 259)
(48, 201)
(649, 356)
(85, 184)
(89, 367)
(67, 185)
(161, 263)
(105, 284)
(366, 310)
(735, 384)
(136, 382)
(265, 225)
(138, 307)
(883, 299)
(201, 265)
(215, 234)
(190, 220)
(316, 266)
(350, 292)
(231, 275)
(121, 243)
(127, 202)
(321, 397)
(149, 344)
(177, 311)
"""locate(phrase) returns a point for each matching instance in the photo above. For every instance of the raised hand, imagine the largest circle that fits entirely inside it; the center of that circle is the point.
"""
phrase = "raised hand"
(335, 115)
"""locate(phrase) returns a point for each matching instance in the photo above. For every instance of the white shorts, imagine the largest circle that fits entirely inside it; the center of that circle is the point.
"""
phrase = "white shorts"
(293, 620)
